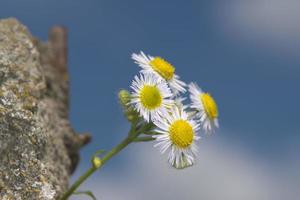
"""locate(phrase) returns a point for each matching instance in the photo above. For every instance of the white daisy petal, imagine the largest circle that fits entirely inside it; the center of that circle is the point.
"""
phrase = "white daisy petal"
(207, 111)
(177, 133)
(151, 96)
(160, 68)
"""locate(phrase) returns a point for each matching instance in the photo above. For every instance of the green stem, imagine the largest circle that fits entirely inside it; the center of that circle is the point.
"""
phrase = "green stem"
(146, 127)
(131, 136)
(151, 133)
(143, 139)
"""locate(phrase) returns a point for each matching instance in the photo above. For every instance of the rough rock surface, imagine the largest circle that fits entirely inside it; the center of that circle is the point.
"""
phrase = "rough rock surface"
(38, 147)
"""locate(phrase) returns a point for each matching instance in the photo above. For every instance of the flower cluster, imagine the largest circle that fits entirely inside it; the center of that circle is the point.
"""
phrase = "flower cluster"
(156, 109)
(158, 98)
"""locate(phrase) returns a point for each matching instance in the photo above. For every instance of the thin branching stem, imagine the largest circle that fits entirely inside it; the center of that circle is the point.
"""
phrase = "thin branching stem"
(130, 138)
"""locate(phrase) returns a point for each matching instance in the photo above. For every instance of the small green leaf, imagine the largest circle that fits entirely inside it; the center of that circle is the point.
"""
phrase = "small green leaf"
(88, 193)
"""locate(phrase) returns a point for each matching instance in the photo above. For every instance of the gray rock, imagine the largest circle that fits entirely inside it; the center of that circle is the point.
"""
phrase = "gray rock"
(38, 147)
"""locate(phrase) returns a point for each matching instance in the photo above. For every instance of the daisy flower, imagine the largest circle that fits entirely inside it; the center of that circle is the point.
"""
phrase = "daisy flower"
(160, 68)
(177, 133)
(206, 107)
(151, 96)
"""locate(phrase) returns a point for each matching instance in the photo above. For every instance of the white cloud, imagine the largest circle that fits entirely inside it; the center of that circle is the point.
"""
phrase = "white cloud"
(273, 23)
(222, 172)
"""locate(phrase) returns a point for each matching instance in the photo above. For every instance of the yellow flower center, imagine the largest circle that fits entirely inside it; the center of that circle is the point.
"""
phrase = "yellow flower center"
(162, 67)
(209, 105)
(150, 97)
(181, 133)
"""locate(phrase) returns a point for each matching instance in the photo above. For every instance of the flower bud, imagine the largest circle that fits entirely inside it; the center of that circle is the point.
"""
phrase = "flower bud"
(124, 98)
(129, 112)
(96, 161)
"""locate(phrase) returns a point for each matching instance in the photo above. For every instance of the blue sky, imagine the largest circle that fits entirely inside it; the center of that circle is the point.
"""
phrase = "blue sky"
(245, 53)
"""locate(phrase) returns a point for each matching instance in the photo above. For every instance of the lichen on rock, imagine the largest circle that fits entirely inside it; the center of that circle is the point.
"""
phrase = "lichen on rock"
(38, 147)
